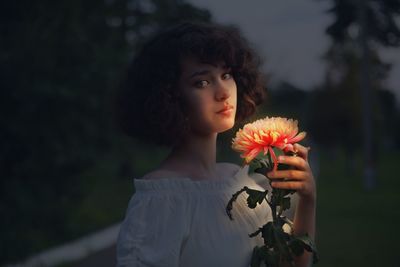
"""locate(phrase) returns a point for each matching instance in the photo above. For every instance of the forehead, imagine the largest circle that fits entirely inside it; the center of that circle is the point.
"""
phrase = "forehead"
(191, 65)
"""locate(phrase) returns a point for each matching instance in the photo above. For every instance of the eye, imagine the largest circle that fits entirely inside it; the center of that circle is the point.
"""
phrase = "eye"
(201, 84)
(227, 76)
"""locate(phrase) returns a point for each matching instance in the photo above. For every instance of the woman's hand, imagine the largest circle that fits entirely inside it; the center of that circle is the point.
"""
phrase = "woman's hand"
(300, 178)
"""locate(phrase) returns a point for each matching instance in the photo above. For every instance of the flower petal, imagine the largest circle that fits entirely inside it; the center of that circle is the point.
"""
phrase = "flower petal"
(274, 159)
(264, 134)
(298, 138)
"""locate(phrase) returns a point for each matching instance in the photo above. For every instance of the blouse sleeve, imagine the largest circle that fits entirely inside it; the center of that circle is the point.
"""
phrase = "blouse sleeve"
(153, 231)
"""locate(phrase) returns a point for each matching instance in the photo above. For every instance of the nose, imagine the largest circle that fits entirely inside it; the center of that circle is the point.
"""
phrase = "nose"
(222, 92)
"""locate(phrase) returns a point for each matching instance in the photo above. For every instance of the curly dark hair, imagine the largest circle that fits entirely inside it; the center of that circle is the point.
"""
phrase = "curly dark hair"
(149, 105)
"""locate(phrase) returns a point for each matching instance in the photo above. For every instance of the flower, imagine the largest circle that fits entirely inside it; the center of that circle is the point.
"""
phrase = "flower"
(264, 134)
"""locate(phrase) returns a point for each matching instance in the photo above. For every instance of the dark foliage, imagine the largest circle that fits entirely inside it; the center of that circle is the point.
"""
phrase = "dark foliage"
(60, 63)
(381, 22)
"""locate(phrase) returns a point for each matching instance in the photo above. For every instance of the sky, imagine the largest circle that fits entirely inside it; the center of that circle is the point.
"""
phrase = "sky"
(290, 37)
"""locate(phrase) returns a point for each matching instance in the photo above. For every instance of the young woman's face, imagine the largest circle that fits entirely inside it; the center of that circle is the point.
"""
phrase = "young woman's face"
(210, 95)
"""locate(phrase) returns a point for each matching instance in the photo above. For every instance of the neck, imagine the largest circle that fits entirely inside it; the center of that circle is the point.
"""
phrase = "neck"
(194, 156)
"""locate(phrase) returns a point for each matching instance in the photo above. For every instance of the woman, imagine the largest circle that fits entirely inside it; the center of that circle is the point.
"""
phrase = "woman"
(187, 85)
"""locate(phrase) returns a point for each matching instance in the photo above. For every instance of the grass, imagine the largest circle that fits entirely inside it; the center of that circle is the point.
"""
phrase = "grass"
(107, 191)
(356, 227)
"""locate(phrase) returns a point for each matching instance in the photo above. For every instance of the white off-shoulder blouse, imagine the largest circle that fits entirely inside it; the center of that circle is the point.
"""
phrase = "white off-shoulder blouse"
(173, 222)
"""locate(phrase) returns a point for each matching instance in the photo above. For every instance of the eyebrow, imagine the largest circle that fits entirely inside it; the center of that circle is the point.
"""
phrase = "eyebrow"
(199, 73)
(206, 71)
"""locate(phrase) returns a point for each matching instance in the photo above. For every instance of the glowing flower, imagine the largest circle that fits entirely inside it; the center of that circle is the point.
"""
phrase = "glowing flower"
(264, 134)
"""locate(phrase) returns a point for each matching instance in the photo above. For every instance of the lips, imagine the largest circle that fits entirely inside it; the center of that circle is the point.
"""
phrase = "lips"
(225, 109)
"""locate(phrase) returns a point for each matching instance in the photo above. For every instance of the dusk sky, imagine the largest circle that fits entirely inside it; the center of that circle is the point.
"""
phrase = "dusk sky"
(290, 36)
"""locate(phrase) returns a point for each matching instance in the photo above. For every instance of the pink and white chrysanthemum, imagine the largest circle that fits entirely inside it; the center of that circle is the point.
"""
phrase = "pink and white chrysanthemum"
(265, 134)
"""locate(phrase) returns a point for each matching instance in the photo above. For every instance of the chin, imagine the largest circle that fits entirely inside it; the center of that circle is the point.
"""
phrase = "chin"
(226, 127)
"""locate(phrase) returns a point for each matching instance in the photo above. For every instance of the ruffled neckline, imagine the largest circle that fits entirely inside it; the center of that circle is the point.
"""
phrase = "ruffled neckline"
(188, 184)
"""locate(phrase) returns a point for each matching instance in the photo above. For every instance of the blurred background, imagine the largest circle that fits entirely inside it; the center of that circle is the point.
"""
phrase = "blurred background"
(66, 171)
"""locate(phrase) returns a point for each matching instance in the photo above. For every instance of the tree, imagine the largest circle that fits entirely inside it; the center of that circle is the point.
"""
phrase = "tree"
(375, 20)
(380, 24)
(60, 64)
(335, 117)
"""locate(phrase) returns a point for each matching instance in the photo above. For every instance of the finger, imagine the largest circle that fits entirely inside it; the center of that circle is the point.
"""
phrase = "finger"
(288, 174)
(293, 185)
(297, 162)
(301, 150)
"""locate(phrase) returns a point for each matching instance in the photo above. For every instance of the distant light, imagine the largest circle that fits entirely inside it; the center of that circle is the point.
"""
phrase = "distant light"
(130, 37)
(148, 29)
(145, 6)
(353, 31)
(114, 21)
(130, 20)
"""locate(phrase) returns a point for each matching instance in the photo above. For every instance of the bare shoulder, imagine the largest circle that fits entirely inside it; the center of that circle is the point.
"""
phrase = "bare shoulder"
(228, 168)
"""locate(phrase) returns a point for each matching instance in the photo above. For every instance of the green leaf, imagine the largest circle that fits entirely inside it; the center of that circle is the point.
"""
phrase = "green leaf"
(315, 257)
(296, 246)
(255, 197)
(262, 170)
(288, 191)
(267, 233)
(229, 206)
(272, 258)
(280, 238)
(256, 258)
(264, 254)
(280, 221)
(261, 165)
(309, 245)
(254, 165)
(256, 232)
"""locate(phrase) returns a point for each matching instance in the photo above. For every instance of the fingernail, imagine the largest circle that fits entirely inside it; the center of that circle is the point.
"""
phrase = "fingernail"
(281, 158)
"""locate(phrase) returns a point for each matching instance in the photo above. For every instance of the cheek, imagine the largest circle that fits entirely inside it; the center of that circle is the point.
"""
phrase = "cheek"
(197, 105)
(234, 96)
